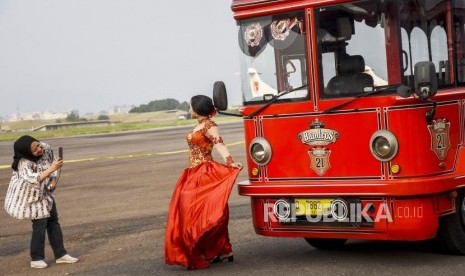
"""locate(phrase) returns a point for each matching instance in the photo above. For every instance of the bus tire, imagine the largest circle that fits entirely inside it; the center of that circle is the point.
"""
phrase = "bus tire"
(451, 232)
(326, 244)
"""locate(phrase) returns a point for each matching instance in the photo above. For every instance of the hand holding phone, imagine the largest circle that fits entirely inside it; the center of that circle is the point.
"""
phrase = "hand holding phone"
(60, 153)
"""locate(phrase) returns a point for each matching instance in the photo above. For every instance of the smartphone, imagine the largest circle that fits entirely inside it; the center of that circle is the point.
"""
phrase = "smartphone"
(60, 153)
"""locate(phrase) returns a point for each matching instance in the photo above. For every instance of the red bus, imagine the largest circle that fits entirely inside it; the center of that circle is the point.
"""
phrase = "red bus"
(354, 119)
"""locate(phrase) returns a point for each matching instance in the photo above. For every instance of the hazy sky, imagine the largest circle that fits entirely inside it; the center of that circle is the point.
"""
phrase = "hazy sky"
(89, 55)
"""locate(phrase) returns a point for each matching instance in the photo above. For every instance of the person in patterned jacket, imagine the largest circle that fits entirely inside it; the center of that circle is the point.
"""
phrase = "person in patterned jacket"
(30, 196)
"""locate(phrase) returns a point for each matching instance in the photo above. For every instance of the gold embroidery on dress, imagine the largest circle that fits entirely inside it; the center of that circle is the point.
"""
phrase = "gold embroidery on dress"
(215, 140)
(201, 145)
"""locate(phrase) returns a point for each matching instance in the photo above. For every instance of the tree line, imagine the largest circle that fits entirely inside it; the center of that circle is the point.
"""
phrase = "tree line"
(159, 105)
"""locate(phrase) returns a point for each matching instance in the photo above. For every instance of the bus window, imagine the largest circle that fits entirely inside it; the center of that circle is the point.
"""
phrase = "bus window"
(459, 20)
(352, 49)
(293, 72)
(439, 54)
(329, 67)
(406, 62)
(424, 38)
(419, 45)
(273, 56)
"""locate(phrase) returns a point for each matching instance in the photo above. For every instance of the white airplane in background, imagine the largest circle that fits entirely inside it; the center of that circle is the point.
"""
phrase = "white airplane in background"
(257, 86)
(377, 81)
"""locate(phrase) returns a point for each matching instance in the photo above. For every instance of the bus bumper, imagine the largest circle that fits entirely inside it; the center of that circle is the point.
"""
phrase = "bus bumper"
(374, 218)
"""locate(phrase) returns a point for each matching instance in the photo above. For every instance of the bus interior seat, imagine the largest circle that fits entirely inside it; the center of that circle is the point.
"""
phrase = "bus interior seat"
(351, 78)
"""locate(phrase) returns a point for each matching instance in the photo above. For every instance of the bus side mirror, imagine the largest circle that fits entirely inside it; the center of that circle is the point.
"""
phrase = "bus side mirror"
(426, 83)
(220, 97)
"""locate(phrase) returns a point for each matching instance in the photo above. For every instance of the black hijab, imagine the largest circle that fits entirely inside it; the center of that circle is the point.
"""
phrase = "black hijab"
(22, 148)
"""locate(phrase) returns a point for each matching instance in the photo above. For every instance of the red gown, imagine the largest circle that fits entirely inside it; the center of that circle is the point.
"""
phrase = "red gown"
(198, 216)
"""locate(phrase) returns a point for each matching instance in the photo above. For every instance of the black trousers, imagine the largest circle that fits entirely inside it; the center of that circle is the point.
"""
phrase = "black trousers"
(55, 236)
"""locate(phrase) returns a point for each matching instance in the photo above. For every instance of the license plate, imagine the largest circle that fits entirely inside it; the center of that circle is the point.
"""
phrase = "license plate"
(313, 206)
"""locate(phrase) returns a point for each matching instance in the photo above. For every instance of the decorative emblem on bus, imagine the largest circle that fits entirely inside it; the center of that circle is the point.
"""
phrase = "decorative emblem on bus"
(440, 142)
(280, 29)
(319, 160)
(253, 34)
(318, 136)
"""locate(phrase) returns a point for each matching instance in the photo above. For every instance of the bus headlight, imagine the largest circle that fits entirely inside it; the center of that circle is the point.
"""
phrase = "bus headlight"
(383, 145)
(260, 151)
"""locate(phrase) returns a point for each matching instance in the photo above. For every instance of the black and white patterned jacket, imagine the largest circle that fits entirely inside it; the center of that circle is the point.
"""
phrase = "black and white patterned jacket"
(26, 197)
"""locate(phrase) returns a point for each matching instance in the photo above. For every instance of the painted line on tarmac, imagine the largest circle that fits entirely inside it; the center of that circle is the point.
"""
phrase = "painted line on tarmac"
(127, 156)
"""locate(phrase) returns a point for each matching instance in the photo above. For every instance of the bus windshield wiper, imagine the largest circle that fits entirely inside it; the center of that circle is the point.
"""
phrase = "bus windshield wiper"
(274, 99)
(370, 93)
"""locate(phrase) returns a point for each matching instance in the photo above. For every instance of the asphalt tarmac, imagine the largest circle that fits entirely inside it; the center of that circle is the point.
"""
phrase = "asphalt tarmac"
(113, 198)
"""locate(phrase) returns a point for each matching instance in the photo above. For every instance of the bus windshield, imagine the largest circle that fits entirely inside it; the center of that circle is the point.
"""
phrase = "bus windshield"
(274, 58)
(361, 46)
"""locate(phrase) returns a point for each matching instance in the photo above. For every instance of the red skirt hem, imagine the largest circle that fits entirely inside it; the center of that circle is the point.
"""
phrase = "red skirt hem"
(197, 226)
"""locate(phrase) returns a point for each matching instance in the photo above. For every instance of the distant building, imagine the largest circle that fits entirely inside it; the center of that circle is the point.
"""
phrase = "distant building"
(54, 115)
(49, 115)
(5, 129)
(120, 109)
(36, 116)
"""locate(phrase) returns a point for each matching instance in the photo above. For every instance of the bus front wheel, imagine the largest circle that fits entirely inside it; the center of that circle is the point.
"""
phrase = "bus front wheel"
(451, 232)
(329, 244)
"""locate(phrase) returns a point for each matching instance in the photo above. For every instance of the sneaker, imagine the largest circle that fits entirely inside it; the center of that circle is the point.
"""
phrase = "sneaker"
(66, 259)
(38, 264)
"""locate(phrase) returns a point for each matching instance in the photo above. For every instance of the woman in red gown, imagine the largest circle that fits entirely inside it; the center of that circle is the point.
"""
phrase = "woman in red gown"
(198, 216)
